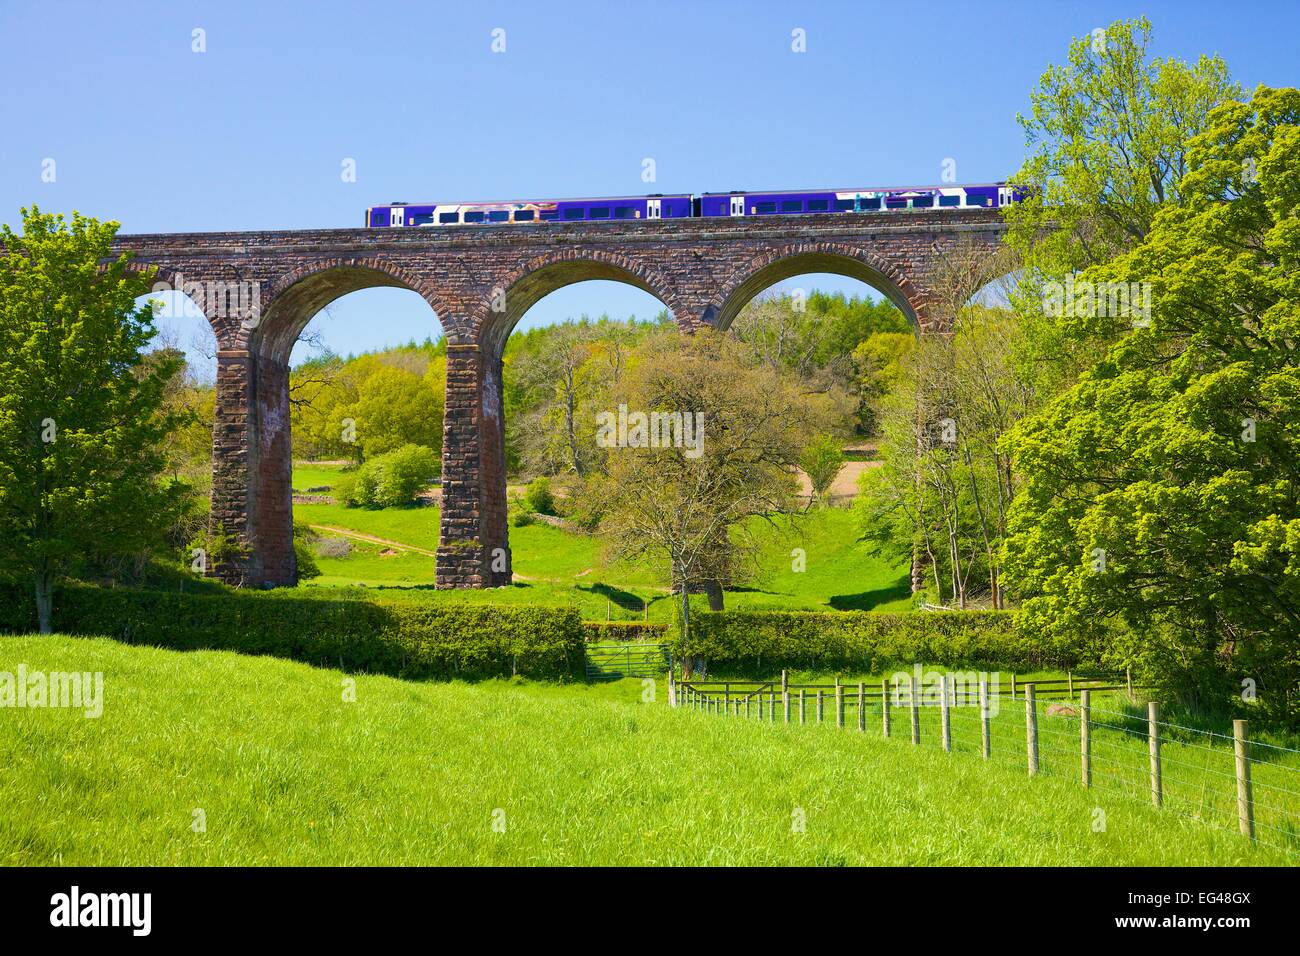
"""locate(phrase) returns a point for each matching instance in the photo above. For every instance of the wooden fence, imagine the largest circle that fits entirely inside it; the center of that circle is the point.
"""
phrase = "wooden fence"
(1103, 751)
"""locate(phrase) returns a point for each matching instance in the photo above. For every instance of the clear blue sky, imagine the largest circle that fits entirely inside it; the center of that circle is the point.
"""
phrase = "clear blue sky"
(251, 134)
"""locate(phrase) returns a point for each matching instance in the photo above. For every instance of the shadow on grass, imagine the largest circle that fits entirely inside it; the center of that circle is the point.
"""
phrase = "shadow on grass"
(625, 600)
(868, 600)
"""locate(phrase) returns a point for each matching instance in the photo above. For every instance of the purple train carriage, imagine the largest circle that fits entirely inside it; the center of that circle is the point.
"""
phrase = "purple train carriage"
(686, 206)
(611, 208)
(877, 199)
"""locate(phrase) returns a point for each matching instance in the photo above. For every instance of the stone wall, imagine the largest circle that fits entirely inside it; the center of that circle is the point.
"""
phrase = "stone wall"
(480, 282)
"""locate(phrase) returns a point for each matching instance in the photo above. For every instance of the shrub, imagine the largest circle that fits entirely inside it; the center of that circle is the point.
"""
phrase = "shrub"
(538, 497)
(401, 639)
(403, 474)
(303, 538)
(390, 480)
(328, 547)
(765, 641)
(601, 631)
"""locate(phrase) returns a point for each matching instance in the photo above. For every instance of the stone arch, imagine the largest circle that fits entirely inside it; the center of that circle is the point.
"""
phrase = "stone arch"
(521, 289)
(296, 297)
(252, 460)
(783, 262)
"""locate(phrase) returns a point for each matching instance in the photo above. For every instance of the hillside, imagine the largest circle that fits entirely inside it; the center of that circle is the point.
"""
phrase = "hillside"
(286, 772)
(392, 549)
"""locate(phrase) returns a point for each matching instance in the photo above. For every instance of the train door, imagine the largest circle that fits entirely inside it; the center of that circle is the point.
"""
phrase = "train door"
(397, 216)
(653, 208)
(737, 205)
(1005, 197)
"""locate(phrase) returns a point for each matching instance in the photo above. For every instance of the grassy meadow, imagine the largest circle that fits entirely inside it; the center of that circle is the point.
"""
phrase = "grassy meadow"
(557, 566)
(285, 771)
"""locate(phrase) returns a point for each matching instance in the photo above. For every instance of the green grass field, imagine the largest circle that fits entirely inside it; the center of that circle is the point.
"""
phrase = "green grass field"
(554, 566)
(286, 772)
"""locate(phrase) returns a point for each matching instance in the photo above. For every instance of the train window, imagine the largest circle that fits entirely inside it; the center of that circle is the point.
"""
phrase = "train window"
(871, 203)
(423, 219)
(523, 215)
(623, 212)
(598, 212)
(949, 201)
(818, 205)
(923, 202)
(792, 205)
(499, 215)
(895, 203)
(573, 214)
(550, 214)
(764, 208)
(474, 216)
(843, 205)
(446, 217)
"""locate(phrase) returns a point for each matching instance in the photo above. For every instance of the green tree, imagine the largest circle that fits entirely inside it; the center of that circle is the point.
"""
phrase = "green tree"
(395, 407)
(821, 460)
(1161, 506)
(82, 423)
(685, 504)
(1108, 145)
(879, 359)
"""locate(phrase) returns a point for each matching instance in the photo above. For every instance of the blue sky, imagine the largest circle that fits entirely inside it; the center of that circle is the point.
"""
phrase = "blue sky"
(252, 133)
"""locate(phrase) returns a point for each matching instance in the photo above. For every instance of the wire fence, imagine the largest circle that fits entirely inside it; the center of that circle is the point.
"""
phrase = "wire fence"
(1049, 727)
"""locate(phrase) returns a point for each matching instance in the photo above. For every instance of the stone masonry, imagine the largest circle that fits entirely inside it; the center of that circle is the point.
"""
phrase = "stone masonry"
(259, 290)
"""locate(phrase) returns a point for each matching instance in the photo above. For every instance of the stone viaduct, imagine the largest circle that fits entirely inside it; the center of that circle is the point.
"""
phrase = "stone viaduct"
(260, 289)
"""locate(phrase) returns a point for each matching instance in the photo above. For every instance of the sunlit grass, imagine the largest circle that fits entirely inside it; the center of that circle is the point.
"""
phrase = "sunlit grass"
(286, 771)
(831, 571)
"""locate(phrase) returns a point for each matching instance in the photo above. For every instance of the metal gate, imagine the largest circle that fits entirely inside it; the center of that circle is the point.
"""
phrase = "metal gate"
(624, 659)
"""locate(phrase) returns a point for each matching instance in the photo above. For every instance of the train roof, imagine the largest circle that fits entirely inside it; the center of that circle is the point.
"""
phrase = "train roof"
(856, 189)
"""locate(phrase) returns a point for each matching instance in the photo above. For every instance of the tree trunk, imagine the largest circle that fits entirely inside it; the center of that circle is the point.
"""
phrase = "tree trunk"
(44, 601)
(687, 660)
(714, 590)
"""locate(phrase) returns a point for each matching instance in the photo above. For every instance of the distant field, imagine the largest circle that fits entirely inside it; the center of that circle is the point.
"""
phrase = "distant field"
(284, 771)
(553, 566)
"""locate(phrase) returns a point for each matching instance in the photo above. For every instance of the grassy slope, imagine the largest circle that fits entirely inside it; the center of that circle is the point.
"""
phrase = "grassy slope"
(560, 567)
(288, 773)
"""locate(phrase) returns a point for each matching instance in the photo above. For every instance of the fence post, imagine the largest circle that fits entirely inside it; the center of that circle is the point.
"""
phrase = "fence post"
(1245, 800)
(1031, 727)
(1013, 686)
(1153, 744)
(771, 704)
(802, 712)
(944, 714)
(916, 713)
(1085, 737)
(984, 717)
(785, 695)
(862, 706)
(1128, 679)
(672, 691)
(746, 706)
(820, 705)
(884, 707)
(726, 697)
(839, 704)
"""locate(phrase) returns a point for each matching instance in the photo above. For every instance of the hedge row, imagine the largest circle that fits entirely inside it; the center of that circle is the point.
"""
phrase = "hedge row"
(401, 639)
(867, 641)
(599, 631)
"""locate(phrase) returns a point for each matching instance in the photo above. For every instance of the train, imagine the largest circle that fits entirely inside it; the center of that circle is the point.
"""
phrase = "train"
(689, 206)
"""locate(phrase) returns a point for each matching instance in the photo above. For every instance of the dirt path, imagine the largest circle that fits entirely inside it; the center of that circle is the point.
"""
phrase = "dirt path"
(373, 540)
(397, 545)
